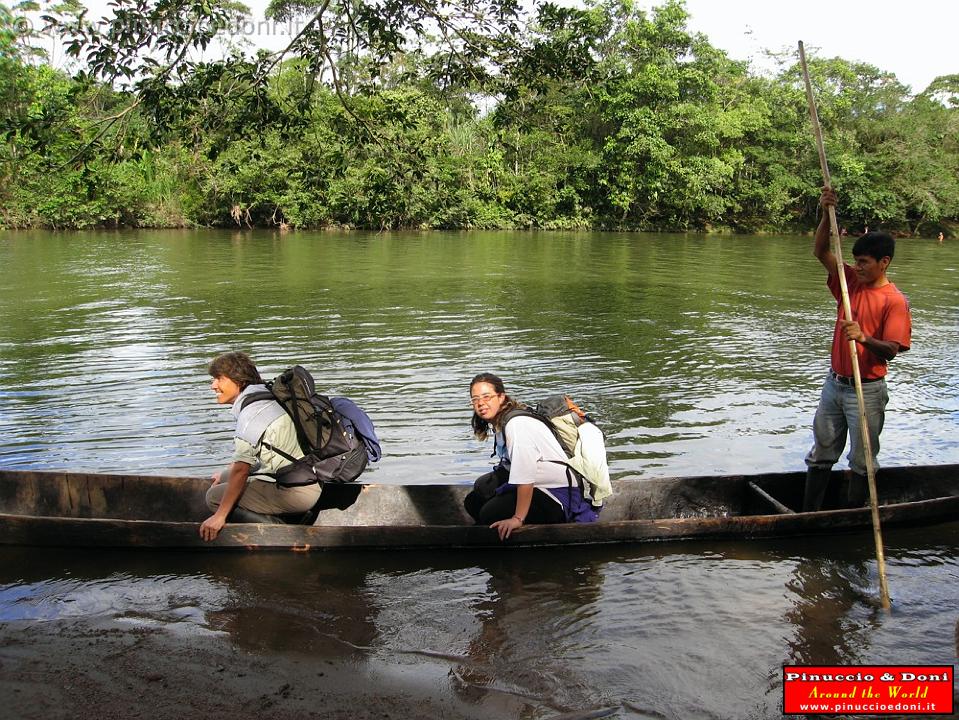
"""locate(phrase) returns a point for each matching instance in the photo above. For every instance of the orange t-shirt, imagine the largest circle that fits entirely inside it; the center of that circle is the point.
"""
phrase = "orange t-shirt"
(882, 313)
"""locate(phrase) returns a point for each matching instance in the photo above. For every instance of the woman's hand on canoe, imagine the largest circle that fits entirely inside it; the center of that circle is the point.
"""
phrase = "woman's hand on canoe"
(506, 527)
(211, 527)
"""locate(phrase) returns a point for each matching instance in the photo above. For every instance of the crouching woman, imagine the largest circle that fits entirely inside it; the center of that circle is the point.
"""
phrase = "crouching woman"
(265, 441)
(532, 483)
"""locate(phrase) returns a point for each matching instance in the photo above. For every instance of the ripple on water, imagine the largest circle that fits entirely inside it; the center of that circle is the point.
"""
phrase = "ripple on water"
(167, 598)
(103, 345)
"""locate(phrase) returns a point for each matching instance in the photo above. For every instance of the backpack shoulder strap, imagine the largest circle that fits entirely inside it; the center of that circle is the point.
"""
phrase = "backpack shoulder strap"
(529, 412)
(523, 412)
(257, 409)
(256, 397)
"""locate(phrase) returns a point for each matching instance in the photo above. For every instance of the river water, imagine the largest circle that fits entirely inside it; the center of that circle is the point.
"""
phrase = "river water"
(697, 355)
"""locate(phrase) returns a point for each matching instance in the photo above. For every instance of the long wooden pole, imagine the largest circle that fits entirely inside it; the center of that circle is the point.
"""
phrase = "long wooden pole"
(853, 351)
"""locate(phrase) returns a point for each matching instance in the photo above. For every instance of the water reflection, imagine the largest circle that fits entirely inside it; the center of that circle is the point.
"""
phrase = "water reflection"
(262, 603)
(673, 630)
(297, 607)
(531, 622)
(827, 594)
(835, 605)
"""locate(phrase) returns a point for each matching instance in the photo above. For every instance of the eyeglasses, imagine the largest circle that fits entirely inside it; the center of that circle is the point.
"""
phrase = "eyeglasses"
(485, 398)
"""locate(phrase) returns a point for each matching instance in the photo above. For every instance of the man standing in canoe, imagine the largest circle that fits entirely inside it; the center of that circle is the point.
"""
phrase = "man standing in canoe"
(881, 327)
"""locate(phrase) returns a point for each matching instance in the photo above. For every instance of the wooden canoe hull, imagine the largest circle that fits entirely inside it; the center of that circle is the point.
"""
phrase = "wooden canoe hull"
(93, 510)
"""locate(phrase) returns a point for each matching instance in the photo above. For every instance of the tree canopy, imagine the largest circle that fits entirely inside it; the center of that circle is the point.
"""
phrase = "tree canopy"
(452, 114)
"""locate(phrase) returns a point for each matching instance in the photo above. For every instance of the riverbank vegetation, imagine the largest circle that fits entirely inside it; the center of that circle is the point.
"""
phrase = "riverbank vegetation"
(603, 116)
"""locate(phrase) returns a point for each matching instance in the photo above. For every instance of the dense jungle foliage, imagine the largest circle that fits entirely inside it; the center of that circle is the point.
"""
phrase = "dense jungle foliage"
(483, 116)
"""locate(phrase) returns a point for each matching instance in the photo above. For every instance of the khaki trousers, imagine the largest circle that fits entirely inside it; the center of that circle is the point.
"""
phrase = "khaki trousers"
(268, 498)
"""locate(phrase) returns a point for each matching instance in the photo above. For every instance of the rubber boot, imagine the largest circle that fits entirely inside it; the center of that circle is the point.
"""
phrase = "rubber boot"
(856, 493)
(817, 480)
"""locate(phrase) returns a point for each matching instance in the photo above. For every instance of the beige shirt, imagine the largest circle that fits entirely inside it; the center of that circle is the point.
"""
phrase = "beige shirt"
(281, 433)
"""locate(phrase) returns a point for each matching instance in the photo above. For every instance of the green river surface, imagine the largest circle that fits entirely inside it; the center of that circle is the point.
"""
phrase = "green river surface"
(696, 354)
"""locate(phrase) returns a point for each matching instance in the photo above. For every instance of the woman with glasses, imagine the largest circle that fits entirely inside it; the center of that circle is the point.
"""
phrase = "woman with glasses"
(531, 484)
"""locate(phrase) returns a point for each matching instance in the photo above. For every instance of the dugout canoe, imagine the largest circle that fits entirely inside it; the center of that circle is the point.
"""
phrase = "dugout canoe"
(97, 510)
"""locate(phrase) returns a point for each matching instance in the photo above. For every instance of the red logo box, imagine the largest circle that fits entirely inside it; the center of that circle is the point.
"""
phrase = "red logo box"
(868, 689)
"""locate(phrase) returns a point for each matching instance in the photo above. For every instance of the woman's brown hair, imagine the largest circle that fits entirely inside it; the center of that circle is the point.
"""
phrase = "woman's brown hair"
(237, 366)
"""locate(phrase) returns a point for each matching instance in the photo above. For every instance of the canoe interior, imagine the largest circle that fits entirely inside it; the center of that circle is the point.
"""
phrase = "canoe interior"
(172, 499)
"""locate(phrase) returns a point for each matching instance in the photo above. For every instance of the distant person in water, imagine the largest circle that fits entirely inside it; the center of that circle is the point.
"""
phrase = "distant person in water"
(264, 434)
(530, 485)
(941, 238)
(882, 329)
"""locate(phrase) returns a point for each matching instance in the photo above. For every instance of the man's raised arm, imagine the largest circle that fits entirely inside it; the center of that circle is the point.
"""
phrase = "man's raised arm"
(821, 248)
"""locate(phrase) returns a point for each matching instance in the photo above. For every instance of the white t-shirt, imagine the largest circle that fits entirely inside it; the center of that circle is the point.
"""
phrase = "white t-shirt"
(532, 450)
